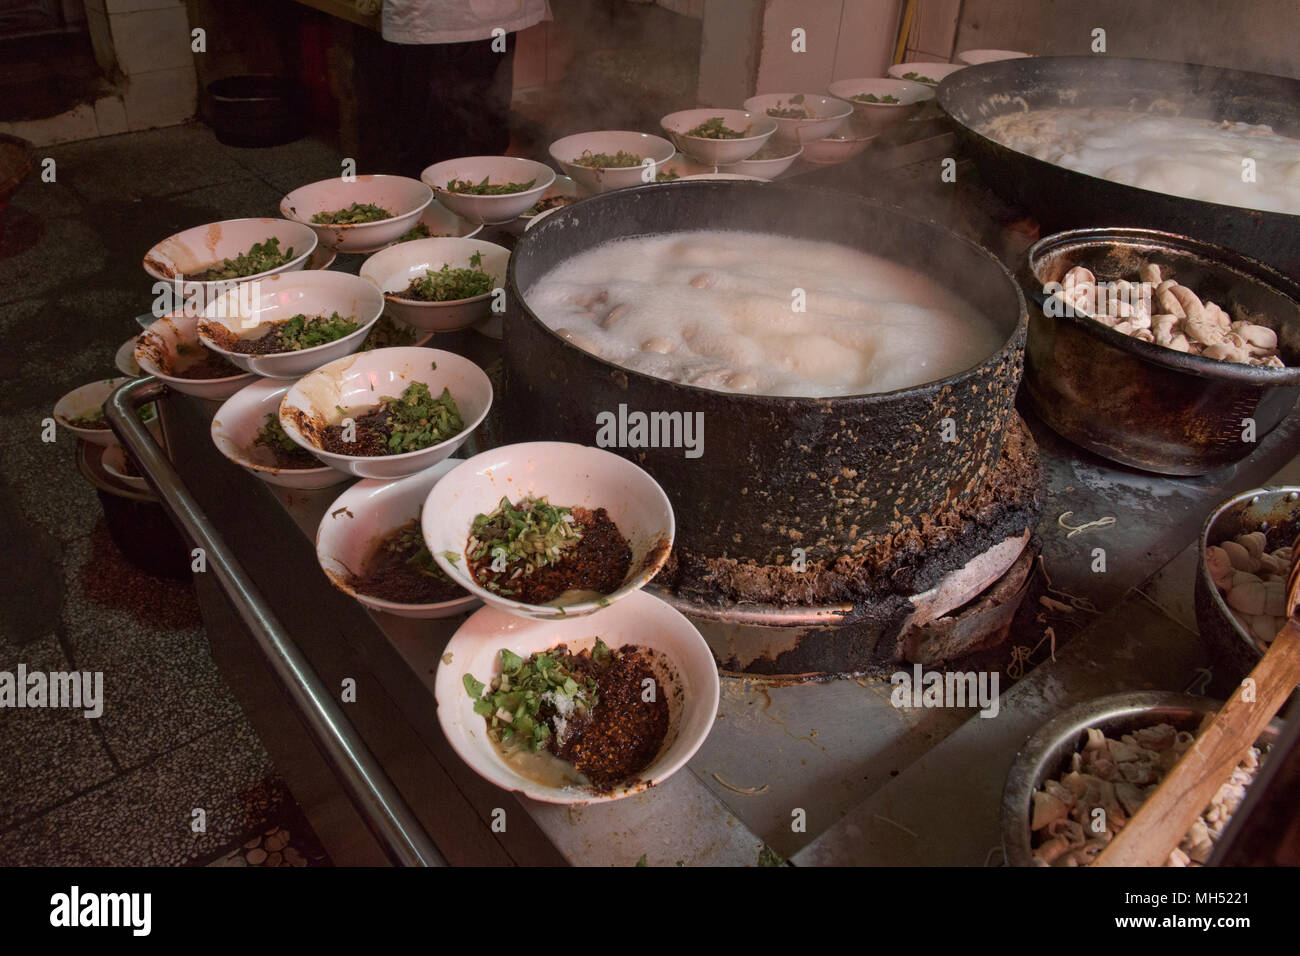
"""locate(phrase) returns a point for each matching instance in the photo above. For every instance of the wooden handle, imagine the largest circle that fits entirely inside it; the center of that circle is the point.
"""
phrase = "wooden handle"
(1164, 819)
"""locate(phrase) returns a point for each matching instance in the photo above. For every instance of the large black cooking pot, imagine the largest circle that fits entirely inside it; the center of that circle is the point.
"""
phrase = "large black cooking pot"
(1061, 198)
(775, 473)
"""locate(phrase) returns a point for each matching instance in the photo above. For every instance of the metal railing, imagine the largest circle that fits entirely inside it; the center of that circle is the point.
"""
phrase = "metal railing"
(367, 785)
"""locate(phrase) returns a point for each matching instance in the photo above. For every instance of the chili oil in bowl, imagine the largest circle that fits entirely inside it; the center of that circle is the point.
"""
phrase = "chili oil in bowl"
(594, 528)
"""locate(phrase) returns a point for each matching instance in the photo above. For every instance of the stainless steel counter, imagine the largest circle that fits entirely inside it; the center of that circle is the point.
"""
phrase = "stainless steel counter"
(828, 773)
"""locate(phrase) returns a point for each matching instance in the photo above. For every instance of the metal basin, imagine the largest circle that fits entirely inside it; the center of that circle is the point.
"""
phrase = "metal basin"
(1048, 751)
(1141, 404)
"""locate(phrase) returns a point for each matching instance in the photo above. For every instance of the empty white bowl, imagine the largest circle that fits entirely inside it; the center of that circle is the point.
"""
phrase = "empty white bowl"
(653, 150)
(235, 427)
(719, 152)
(824, 114)
(934, 73)
(405, 198)
(358, 521)
(362, 380)
(86, 400)
(443, 223)
(156, 350)
(114, 462)
(391, 270)
(195, 250)
(567, 475)
(245, 310)
(766, 169)
(497, 170)
(871, 118)
(976, 57)
(686, 676)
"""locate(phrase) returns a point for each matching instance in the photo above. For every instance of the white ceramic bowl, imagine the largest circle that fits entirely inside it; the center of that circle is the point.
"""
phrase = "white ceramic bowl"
(765, 168)
(725, 176)
(687, 676)
(422, 336)
(443, 223)
(876, 117)
(497, 170)
(236, 424)
(563, 186)
(156, 347)
(719, 152)
(405, 198)
(931, 71)
(197, 249)
(391, 270)
(242, 310)
(652, 149)
(683, 166)
(365, 378)
(84, 400)
(569, 476)
(124, 358)
(843, 145)
(976, 57)
(361, 518)
(114, 462)
(825, 113)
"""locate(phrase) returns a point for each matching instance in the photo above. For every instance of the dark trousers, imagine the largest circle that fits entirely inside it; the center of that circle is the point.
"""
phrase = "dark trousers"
(448, 100)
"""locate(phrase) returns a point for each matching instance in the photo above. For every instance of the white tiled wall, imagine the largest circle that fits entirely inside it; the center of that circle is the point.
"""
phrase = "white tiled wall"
(147, 44)
(934, 30)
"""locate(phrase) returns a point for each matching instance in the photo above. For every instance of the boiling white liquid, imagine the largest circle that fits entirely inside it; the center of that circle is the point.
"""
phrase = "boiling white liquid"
(1175, 155)
(870, 325)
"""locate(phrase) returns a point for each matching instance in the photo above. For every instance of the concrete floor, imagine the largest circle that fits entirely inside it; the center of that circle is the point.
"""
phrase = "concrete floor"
(119, 789)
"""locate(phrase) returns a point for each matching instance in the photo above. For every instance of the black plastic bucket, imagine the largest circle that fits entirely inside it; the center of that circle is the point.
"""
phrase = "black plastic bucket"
(256, 110)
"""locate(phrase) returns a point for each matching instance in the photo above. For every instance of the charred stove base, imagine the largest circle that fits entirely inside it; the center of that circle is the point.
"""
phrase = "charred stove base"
(953, 594)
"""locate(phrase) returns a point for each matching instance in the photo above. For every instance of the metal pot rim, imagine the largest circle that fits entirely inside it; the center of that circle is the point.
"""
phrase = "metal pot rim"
(1032, 761)
(1203, 570)
(954, 82)
(557, 220)
(1223, 258)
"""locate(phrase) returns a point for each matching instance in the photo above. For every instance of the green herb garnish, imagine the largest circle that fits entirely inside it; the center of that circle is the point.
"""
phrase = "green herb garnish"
(513, 701)
(301, 332)
(620, 160)
(713, 128)
(484, 188)
(261, 257)
(418, 231)
(272, 435)
(913, 75)
(409, 536)
(353, 215)
(448, 284)
(666, 176)
(873, 98)
(417, 420)
(386, 333)
(533, 532)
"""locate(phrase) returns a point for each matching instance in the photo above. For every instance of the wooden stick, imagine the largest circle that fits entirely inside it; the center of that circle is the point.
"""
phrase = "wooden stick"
(1164, 819)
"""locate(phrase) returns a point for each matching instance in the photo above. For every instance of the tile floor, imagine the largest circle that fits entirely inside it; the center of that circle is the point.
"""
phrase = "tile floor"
(119, 789)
